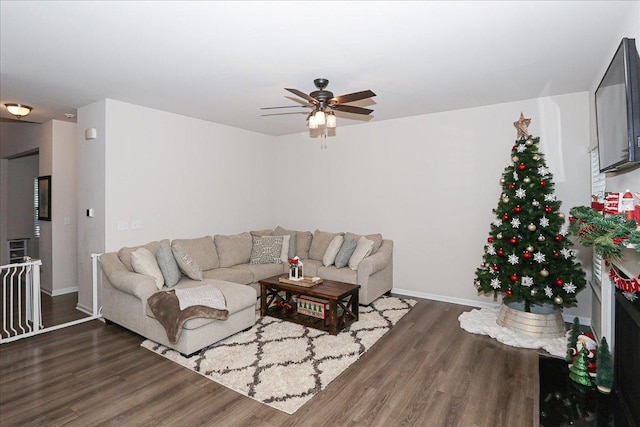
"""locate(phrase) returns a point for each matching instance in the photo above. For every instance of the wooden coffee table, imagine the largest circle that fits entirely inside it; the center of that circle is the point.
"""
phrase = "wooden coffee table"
(342, 299)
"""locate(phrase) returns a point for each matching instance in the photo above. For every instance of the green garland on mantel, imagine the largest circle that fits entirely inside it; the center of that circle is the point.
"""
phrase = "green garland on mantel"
(608, 235)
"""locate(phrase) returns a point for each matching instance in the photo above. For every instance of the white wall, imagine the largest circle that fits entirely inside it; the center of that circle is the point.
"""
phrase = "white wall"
(627, 179)
(64, 242)
(430, 183)
(91, 194)
(55, 143)
(20, 214)
(177, 176)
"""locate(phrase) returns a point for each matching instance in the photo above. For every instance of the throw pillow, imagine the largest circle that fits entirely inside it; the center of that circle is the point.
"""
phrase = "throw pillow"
(186, 264)
(124, 254)
(292, 241)
(332, 250)
(363, 250)
(284, 255)
(320, 243)
(202, 250)
(377, 240)
(266, 250)
(144, 262)
(168, 265)
(261, 233)
(303, 241)
(345, 252)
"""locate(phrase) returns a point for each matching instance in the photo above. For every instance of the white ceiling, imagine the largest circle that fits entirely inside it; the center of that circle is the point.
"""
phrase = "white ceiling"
(222, 61)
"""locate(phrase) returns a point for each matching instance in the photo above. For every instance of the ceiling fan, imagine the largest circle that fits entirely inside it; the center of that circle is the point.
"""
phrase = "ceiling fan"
(323, 104)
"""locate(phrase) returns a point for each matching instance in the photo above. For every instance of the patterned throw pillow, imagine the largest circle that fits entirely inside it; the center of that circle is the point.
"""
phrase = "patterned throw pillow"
(266, 250)
(187, 265)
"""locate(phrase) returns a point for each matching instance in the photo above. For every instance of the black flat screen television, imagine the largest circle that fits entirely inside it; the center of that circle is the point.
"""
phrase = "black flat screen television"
(618, 110)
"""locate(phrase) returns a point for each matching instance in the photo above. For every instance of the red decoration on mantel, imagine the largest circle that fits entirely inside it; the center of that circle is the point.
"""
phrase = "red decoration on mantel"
(626, 285)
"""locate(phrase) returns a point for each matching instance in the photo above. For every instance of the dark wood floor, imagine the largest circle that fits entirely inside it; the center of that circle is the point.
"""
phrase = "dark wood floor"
(425, 372)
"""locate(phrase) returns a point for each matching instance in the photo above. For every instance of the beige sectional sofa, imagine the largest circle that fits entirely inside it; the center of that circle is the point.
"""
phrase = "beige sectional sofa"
(235, 264)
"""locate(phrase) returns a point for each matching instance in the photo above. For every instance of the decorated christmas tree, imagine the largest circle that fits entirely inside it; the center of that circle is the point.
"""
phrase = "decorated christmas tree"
(527, 257)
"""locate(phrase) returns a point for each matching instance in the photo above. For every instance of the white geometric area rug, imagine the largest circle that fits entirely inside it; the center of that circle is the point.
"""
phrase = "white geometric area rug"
(283, 364)
(483, 321)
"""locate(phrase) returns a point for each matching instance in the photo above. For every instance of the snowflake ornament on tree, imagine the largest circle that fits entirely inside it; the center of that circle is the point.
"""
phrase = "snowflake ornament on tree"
(528, 221)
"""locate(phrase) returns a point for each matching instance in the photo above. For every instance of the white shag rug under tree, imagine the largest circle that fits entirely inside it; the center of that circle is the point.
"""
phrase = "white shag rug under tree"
(283, 364)
(483, 321)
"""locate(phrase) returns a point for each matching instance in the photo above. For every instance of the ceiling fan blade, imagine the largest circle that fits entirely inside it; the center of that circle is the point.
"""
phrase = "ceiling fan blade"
(356, 96)
(286, 106)
(302, 95)
(352, 109)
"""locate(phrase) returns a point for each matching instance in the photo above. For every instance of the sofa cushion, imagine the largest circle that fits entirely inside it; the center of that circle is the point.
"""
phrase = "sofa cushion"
(310, 267)
(329, 257)
(202, 250)
(261, 233)
(376, 238)
(124, 254)
(345, 252)
(362, 250)
(168, 265)
(261, 271)
(266, 250)
(231, 274)
(345, 275)
(186, 264)
(233, 249)
(144, 262)
(319, 244)
(292, 240)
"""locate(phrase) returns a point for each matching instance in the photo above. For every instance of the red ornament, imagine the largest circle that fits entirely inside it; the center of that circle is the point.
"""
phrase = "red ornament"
(500, 251)
(505, 217)
(527, 255)
(522, 166)
(490, 239)
(543, 182)
(514, 147)
(513, 241)
(514, 277)
(548, 209)
(495, 267)
(556, 253)
(558, 238)
(512, 186)
(559, 282)
(509, 292)
(517, 209)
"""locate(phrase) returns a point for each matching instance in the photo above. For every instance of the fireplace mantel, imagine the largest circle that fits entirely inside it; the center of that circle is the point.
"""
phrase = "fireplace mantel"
(629, 264)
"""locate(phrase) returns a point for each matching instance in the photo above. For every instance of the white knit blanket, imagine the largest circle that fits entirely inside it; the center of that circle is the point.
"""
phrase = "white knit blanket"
(207, 295)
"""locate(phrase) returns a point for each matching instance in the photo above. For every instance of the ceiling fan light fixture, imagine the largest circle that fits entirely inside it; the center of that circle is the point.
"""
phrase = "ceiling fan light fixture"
(320, 117)
(313, 123)
(331, 120)
(18, 110)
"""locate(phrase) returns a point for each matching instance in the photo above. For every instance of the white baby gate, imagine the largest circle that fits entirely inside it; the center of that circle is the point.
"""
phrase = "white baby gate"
(21, 308)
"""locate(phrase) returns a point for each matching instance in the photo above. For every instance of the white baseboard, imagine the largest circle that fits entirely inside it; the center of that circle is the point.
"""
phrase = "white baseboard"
(472, 303)
(64, 291)
(83, 308)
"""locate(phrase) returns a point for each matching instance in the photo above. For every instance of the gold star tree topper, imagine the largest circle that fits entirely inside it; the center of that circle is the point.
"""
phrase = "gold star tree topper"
(522, 126)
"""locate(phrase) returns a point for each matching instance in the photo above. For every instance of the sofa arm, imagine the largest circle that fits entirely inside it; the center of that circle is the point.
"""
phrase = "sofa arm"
(119, 277)
(376, 262)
